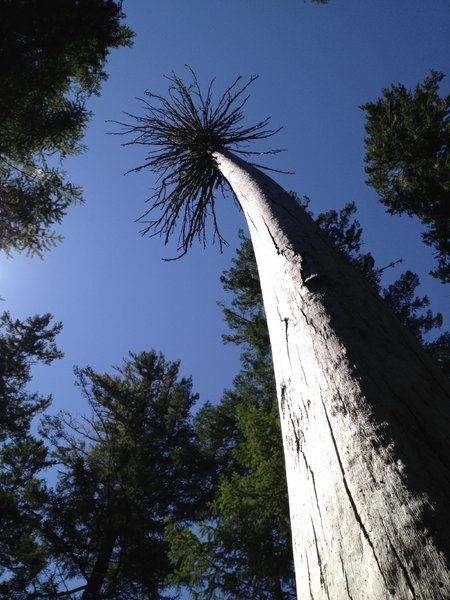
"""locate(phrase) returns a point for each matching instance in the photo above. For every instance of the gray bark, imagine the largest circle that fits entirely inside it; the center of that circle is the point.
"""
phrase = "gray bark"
(365, 414)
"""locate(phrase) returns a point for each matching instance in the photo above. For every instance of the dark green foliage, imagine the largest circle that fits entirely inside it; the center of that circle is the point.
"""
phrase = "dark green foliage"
(410, 309)
(408, 159)
(124, 470)
(343, 229)
(183, 131)
(243, 548)
(22, 457)
(52, 58)
(245, 317)
(32, 200)
(440, 351)
(22, 555)
(22, 344)
(414, 313)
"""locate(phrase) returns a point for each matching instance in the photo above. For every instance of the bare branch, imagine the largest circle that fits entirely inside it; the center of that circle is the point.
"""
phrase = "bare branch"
(183, 131)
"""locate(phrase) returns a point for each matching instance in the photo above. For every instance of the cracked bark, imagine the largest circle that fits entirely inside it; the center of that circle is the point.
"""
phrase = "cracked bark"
(365, 415)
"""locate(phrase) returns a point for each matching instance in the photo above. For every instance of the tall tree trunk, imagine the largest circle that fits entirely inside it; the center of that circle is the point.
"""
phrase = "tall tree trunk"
(100, 568)
(365, 414)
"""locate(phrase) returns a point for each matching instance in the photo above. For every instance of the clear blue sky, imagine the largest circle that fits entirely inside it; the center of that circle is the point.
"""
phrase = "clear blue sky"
(317, 64)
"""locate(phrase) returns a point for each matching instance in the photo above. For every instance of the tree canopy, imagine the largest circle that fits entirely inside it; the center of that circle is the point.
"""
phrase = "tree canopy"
(146, 496)
(124, 470)
(22, 344)
(23, 457)
(408, 159)
(121, 472)
(182, 132)
(52, 58)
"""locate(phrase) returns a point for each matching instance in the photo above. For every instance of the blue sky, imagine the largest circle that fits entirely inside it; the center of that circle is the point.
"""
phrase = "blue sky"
(317, 64)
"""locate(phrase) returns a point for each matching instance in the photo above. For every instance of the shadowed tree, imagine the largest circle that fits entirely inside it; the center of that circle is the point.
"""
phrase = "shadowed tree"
(124, 470)
(408, 159)
(364, 412)
(52, 58)
(22, 456)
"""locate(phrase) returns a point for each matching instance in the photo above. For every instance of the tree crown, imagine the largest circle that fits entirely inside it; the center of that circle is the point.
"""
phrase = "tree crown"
(184, 130)
(408, 159)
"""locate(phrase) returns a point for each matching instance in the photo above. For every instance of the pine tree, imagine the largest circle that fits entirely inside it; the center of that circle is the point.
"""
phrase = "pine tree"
(123, 471)
(408, 159)
(364, 413)
(22, 456)
(52, 58)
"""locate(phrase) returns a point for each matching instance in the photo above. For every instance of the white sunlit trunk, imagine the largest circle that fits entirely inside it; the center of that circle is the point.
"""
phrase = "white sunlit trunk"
(365, 415)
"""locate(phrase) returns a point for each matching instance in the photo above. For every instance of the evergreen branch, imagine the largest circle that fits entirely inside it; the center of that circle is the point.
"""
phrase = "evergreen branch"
(196, 550)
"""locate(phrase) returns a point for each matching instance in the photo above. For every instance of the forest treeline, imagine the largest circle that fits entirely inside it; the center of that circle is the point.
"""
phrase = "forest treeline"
(151, 494)
(153, 491)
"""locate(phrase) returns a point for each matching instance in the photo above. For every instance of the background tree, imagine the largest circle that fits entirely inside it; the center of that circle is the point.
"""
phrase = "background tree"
(22, 344)
(408, 159)
(413, 311)
(22, 456)
(52, 58)
(352, 383)
(242, 545)
(124, 470)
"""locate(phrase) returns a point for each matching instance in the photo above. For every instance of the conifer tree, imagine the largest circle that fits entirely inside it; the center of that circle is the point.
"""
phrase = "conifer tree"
(242, 546)
(242, 433)
(52, 58)
(22, 456)
(364, 413)
(408, 159)
(123, 470)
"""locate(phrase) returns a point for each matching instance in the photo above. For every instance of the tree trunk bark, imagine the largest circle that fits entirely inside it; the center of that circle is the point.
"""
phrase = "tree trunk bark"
(100, 568)
(365, 414)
